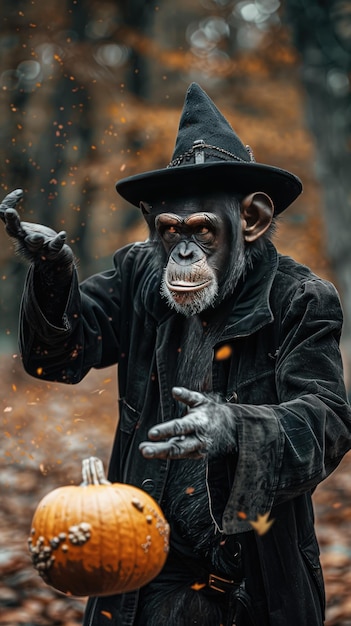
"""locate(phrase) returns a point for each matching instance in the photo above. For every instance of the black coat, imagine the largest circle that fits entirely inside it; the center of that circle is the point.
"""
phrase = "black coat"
(285, 375)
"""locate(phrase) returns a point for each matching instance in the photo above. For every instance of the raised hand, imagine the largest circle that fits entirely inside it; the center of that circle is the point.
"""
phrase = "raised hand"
(34, 242)
(207, 428)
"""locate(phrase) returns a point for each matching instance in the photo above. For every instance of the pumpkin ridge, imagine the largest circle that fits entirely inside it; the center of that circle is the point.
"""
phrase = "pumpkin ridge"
(129, 573)
(127, 500)
(108, 571)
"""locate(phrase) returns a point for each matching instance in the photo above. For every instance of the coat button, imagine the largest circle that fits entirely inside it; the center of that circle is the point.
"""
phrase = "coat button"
(148, 485)
(233, 398)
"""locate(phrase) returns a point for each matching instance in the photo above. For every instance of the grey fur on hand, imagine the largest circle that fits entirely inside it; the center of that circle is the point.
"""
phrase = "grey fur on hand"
(207, 428)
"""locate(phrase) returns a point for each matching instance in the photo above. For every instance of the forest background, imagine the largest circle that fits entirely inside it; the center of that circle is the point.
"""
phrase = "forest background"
(91, 92)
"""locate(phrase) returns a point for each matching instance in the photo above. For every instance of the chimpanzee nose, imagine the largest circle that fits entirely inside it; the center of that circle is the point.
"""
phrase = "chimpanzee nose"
(186, 252)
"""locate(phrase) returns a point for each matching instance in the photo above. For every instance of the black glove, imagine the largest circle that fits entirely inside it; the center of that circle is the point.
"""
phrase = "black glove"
(35, 243)
(53, 259)
(208, 428)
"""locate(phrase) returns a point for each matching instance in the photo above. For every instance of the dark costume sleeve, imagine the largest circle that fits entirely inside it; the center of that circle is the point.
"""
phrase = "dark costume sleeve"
(288, 448)
(88, 336)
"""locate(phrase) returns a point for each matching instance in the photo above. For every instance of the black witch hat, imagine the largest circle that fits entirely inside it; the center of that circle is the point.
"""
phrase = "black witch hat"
(209, 157)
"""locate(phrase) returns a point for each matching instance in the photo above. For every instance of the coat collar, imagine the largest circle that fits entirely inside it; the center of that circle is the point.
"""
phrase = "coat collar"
(251, 309)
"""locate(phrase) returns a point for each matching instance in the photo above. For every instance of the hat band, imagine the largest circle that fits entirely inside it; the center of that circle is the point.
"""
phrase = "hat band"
(197, 153)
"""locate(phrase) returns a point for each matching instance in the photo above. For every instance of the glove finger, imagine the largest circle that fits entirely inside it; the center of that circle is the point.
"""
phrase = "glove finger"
(10, 201)
(191, 398)
(56, 244)
(13, 224)
(174, 428)
(175, 448)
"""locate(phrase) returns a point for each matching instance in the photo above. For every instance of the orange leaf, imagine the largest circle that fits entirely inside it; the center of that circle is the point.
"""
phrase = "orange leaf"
(242, 515)
(262, 524)
(189, 490)
(224, 352)
(198, 586)
(106, 614)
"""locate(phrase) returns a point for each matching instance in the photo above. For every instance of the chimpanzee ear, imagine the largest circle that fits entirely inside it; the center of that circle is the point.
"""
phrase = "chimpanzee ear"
(256, 215)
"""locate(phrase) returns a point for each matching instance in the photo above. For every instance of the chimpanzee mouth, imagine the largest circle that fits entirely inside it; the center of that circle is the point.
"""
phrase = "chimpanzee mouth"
(189, 297)
(185, 285)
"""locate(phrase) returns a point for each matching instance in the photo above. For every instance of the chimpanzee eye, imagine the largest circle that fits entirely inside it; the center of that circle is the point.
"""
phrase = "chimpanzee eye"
(170, 234)
(204, 235)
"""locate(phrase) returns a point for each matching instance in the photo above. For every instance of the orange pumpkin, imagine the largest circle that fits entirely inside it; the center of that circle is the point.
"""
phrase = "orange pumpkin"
(98, 538)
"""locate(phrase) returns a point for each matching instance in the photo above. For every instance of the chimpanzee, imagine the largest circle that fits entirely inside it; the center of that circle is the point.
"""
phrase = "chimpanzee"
(232, 403)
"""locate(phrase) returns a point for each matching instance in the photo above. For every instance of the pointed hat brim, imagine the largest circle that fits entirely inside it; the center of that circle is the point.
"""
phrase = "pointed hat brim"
(226, 164)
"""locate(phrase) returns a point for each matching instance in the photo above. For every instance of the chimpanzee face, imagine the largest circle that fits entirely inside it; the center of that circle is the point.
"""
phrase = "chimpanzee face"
(194, 238)
(207, 241)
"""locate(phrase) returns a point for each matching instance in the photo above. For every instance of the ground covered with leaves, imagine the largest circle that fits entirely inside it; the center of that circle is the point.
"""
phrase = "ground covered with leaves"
(46, 431)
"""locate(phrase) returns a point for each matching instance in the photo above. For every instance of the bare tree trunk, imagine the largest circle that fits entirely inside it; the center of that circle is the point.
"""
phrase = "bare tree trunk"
(139, 16)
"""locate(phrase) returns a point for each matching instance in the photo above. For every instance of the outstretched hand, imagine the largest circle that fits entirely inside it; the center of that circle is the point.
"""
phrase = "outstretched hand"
(208, 427)
(34, 242)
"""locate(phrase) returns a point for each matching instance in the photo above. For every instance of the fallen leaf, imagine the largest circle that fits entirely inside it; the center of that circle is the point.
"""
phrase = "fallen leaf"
(224, 352)
(242, 515)
(189, 491)
(106, 614)
(198, 586)
(262, 524)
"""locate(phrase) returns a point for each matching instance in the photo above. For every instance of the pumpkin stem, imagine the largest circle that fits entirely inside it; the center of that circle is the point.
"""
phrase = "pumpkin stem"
(93, 472)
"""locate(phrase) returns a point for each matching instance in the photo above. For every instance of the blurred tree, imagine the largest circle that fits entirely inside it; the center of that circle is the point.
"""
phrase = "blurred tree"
(322, 35)
(91, 91)
(138, 15)
(60, 67)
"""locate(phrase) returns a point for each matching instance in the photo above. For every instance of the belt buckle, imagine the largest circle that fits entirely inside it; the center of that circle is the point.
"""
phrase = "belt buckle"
(219, 584)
